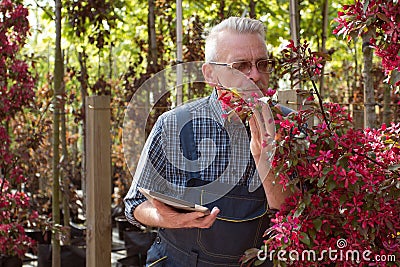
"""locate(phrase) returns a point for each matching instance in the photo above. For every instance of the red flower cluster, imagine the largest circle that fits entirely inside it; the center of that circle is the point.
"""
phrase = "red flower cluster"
(380, 16)
(349, 184)
(16, 92)
(301, 60)
(232, 99)
(16, 83)
(346, 186)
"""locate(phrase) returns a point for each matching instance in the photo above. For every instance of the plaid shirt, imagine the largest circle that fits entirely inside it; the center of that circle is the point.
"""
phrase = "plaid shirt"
(224, 156)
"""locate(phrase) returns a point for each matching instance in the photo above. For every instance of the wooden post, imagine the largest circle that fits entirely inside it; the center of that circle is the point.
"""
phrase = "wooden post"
(291, 99)
(358, 118)
(98, 189)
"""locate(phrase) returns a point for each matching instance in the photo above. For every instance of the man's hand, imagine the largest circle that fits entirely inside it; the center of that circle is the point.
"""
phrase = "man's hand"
(157, 214)
(262, 146)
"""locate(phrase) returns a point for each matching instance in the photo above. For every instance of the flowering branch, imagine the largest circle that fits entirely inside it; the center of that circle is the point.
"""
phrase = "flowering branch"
(351, 182)
(320, 101)
(306, 65)
(16, 93)
(382, 17)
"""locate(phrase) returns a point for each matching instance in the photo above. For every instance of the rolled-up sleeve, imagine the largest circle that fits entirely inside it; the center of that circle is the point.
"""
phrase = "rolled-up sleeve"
(151, 164)
(133, 199)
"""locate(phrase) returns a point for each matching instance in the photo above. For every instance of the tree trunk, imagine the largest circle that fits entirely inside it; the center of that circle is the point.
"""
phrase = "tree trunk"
(75, 172)
(369, 93)
(110, 62)
(252, 6)
(58, 72)
(357, 70)
(295, 35)
(387, 105)
(221, 13)
(325, 19)
(179, 53)
(64, 156)
(152, 56)
(83, 79)
(294, 97)
(294, 21)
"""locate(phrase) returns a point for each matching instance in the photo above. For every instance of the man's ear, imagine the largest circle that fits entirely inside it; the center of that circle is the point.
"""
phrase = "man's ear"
(208, 73)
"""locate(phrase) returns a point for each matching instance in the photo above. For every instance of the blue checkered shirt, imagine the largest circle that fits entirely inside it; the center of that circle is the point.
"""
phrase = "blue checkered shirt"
(209, 122)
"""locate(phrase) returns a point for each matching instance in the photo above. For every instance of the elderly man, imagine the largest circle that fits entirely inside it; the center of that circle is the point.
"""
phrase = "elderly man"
(237, 219)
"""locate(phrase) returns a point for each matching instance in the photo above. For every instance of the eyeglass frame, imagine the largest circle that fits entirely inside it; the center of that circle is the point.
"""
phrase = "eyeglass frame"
(230, 65)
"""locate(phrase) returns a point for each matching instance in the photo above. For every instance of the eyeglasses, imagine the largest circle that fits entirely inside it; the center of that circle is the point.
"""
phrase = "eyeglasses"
(262, 65)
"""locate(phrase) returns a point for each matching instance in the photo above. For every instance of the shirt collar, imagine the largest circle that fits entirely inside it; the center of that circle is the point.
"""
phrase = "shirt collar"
(216, 107)
(219, 113)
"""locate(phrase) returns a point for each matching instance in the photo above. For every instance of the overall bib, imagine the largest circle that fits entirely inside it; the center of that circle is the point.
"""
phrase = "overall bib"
(240, 224)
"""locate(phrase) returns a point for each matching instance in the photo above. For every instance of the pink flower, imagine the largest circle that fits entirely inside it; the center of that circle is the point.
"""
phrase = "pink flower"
(270, 92)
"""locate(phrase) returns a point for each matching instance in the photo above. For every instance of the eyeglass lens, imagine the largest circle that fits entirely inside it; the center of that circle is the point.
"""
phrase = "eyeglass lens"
(263, 66)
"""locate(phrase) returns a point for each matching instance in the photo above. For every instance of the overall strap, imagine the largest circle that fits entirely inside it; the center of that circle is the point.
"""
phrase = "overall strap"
(186, 136)
(285, 110)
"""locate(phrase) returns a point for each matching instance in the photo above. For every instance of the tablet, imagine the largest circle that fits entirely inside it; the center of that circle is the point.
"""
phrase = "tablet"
(174, 202)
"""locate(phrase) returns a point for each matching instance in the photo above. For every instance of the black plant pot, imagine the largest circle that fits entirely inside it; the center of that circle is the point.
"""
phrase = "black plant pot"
(117, 211)
(10, 261)
(41, 237)
(124, 226)
(70, 256)
(78, 234)
(137, 244)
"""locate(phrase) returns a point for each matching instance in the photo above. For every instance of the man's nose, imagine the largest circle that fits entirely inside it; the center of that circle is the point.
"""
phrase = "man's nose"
(254, 74)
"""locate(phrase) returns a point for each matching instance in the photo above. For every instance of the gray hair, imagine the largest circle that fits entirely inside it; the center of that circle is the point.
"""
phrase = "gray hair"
(234, 24)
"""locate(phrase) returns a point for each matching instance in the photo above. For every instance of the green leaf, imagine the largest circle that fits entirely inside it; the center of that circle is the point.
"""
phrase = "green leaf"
(331, 185)
(343, 160)
(305, 238)
(321, 181)
(372, 155)
(365, 6)
(312, 233)
(389, 224)
(307, 199)
(383, 17)
(326, 170)
(258, 262)
(300, 209)
(343, 199)
(394, 77)
(250, 254)
(317, 223)
(326, 228)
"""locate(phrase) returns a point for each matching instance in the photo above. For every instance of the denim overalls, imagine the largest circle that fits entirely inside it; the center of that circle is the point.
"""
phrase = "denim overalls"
(242, 220)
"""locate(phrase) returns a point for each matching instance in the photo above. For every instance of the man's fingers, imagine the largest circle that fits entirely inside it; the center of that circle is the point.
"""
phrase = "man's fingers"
(268, 120)
(257, 128)
(199, 220)
(208, 221)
